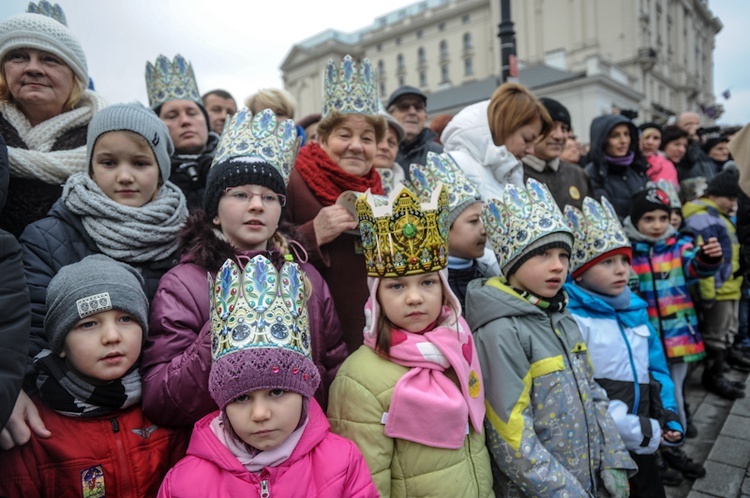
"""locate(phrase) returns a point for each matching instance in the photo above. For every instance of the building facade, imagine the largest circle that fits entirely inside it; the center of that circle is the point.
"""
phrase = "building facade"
(653, 56)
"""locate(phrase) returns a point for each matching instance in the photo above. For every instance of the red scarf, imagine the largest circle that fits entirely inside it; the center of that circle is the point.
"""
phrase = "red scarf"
(327, 180)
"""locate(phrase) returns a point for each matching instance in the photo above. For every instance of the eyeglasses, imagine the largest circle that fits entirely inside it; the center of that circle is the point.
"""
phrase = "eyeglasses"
(240, 195)
(405, 106)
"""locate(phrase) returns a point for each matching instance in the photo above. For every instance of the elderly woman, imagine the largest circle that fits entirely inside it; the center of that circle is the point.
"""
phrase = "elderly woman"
(391, 173)
(44, 113)
(342, 160)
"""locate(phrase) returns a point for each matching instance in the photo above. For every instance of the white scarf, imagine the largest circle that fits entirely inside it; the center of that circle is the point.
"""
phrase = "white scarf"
(39, 161)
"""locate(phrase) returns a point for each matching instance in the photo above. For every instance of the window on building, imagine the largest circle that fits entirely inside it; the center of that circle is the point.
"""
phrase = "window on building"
(398, 40)
(419, 33)
(468, 66)
(379, 47)
(421, 56)
(381, 67)
(465, 19)
(467, 41)
(400, 61)
(382, 88)
(401, 82)
(443, 49)
(441, 26)
(423, 78)
(444, 74)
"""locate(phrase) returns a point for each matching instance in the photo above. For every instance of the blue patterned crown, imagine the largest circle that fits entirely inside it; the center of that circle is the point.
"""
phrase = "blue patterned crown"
(47, 9)
(349, 88)
(259, 306)
(441, 168)
(596, 231)
(670, 190)
(167, 80)
(404, 237)
(262, 137)
(524, 216)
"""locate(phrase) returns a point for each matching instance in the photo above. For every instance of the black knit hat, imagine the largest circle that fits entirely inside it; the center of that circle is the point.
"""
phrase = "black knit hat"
(237, 171)
(649, 199)
(555, 240)
(556, 110)
(725, 184)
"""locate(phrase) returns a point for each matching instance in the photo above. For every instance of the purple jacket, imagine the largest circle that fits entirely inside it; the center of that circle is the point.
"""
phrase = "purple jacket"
(322, 465)
(176, 359)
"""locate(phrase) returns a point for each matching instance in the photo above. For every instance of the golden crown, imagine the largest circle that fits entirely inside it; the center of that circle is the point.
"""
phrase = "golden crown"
(173, 80)
(349, 88)
(404, 237)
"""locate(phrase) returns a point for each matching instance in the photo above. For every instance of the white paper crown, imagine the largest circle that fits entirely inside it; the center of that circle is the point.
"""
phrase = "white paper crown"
(259, 307)
(442, 168)
(167, 80)
(262, 137)
(47, 9)
(523, 216)
(349, 88)
(596, 231)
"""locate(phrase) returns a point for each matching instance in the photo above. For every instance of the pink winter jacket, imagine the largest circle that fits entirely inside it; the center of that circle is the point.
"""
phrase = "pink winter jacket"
(322, 465)
(661, 168)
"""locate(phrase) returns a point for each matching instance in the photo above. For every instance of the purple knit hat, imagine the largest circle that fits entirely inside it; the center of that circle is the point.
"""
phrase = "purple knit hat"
(260, 333)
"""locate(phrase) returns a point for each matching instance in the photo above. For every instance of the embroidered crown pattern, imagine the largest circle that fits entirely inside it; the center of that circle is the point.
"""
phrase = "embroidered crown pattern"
(404, 237)
(349, 88)
(173, 80)
(596, 230)
(442, 168)
(262, 137)
(259, 307)
(45, 8)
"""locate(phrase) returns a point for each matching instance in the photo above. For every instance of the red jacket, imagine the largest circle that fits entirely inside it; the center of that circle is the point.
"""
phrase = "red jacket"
(124, 453)
(322, 465)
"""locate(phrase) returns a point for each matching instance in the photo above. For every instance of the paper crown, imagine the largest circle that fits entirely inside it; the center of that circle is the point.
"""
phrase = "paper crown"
(259, 307)
(442, 168)
(404, 237)
(349, 88)
(259, 136)
(167, 80)
(47, 9)
(671, 191)
(596, 231)
(522, 217)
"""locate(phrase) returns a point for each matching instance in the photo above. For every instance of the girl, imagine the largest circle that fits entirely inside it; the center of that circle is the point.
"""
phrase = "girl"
(270, 437)
(412, 396)
(244, 204)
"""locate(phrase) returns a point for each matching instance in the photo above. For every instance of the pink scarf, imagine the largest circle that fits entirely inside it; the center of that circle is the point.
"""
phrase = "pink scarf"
(427, 407)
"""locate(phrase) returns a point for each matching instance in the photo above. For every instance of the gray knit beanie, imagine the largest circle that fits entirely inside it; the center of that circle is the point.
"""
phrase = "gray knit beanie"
(96, 283)
(139, 119)
(43, 33)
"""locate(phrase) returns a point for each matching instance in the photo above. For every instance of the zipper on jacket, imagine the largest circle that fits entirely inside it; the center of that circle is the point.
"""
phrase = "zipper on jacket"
(122, 460)
(656, 302)
(115, 425)
(636, 385)
(265, 491)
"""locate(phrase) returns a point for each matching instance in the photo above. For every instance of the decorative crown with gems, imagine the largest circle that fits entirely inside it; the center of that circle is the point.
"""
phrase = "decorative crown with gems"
(45, 8)
(524, 216)
(442, 168)
(596, 231)
(262, 137)
(404, 237)
(349, 88)
(260, 332)
(173, 80)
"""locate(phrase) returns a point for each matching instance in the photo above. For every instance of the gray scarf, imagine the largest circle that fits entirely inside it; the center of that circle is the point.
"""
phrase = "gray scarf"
(125, 233)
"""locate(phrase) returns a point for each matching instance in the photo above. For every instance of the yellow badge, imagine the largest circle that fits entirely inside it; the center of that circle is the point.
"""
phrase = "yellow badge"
(574, 193)
(474, 384)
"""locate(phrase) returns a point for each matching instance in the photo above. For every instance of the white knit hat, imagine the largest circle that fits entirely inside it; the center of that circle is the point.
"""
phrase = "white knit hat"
(43, 33)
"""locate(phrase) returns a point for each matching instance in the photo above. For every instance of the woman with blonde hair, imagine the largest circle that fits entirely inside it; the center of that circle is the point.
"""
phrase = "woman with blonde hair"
(279, 101)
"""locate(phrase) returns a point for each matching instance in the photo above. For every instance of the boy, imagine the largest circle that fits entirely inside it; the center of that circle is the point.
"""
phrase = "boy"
(89, 393)
(708, 217)
(624, 348)
(548, 430)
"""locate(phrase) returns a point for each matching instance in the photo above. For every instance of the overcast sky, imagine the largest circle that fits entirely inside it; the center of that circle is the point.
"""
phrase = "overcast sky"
(239, 45)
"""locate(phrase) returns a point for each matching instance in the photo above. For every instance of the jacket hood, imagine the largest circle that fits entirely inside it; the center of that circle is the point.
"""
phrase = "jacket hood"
(636, 314)
(601, 126)
(701, 205)
(485, 303)
(632, 233)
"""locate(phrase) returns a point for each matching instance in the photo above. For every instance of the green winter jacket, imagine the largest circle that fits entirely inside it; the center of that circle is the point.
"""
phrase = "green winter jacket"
(548, 430)
(360, 395)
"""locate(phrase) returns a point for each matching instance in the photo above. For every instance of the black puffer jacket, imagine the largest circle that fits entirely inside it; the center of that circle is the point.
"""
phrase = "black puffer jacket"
(189, 172)
(616, 183)
(59, 240)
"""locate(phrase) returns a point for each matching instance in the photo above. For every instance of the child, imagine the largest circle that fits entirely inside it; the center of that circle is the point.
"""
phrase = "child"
(244, 204)
(412, 396)
(548, 429)
(708, 217)
(90, 391)
(270, 437)
(628, 359)
(467, 237)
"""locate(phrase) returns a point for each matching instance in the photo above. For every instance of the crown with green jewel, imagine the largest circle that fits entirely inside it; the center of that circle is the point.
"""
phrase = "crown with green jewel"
(442, 168)
(596, 231)
(404, 237)
(45, 8)
(349, 88)
(173, 80)
(525, 215)
(259, 136)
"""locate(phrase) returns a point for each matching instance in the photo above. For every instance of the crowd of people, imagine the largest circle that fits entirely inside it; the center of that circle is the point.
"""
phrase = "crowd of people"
(205, 300)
